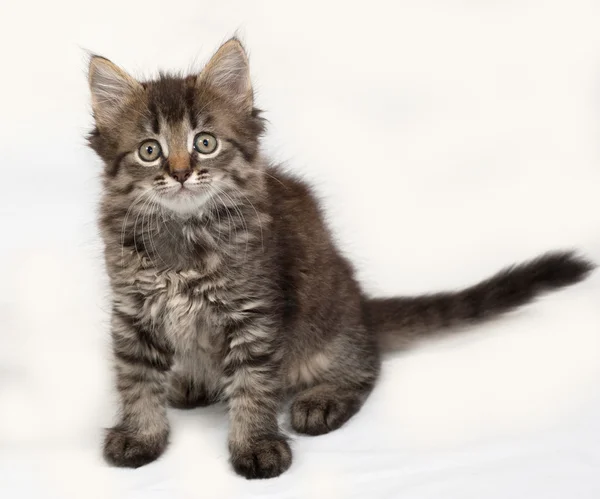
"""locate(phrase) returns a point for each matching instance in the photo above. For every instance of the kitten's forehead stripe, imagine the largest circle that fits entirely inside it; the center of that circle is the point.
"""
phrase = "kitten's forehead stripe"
(190, 101)
(155, 117)
(166, 95)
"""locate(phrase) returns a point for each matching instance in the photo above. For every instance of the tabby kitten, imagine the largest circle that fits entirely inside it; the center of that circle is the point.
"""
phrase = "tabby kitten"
(226, 282)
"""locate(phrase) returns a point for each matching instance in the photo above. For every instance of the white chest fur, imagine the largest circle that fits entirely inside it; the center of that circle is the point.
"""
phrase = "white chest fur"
(181, 305)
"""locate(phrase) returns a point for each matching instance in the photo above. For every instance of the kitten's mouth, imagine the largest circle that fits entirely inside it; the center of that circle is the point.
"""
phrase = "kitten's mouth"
(184, 199)
(184, 191)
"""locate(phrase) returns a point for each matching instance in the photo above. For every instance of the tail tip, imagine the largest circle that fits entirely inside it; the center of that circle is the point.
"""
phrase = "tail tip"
(563, 268)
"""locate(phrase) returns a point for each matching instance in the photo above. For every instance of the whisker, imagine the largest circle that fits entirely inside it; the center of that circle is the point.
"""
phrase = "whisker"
(165, 221)
(229, 219)
(123, 229)
(257, 217)
(209, 219)
(154, 213)
(135, 231)
(264, 172)
(239, 211)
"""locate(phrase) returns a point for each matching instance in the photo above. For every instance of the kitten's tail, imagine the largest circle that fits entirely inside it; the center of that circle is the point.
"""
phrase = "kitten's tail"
(402, 320)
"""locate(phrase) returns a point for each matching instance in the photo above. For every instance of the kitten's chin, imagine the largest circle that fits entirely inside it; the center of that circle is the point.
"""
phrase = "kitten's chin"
(185, 204)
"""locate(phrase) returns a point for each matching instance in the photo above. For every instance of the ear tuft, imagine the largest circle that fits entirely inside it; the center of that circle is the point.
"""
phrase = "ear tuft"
(228, 71)
(111, 89)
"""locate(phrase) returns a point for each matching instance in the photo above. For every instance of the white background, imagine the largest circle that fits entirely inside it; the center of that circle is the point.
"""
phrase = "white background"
(448, 138)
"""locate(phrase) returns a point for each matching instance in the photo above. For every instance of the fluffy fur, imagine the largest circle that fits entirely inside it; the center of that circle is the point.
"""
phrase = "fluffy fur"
(226, 282)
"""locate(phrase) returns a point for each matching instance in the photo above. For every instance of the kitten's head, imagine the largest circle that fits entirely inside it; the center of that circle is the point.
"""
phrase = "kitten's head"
(180, 140)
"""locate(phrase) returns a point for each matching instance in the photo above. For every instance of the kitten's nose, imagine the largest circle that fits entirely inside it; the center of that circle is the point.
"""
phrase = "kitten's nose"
(181, 175)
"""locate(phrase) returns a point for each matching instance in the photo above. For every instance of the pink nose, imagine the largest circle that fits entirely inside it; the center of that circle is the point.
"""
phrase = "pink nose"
(181, 175)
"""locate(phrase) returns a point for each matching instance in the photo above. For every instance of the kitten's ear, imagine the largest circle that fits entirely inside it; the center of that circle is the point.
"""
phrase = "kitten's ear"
(111, 89)
(228, 72)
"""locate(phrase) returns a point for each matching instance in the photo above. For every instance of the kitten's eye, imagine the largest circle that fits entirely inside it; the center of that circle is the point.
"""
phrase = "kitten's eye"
(205, 143)
(150, 151)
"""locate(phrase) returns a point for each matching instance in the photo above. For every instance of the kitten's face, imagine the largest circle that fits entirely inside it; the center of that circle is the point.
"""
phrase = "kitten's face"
(180, 142)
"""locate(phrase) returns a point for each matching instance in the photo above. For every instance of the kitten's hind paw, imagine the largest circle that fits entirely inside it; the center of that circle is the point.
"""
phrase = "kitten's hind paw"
(317, 412)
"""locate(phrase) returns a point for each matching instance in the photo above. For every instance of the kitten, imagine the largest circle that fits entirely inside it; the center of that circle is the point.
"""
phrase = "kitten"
(226, 282)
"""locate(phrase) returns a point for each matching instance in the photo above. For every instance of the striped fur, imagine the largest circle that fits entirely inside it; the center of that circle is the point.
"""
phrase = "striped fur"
(231, 287)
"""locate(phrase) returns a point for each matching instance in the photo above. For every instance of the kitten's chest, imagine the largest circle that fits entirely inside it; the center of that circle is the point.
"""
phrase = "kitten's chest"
(187, 307)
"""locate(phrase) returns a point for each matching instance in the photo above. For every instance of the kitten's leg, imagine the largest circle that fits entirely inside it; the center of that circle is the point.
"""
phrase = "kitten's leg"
(252, 366)
(143, 360)
(348, 371)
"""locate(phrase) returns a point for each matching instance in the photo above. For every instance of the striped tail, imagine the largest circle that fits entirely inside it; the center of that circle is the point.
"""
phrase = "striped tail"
(403, 320)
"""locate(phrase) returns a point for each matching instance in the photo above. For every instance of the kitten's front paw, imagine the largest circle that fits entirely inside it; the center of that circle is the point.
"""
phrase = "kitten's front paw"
(265, 458)
(130, 450)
